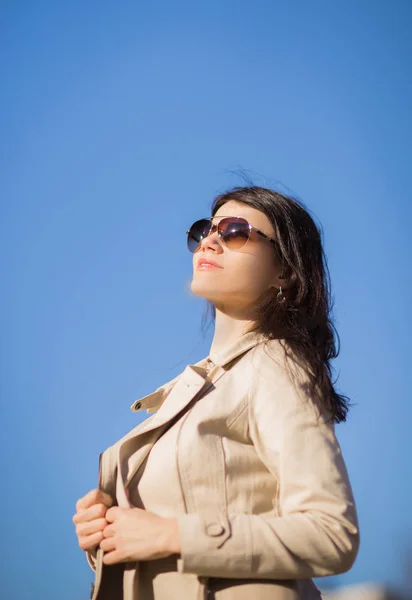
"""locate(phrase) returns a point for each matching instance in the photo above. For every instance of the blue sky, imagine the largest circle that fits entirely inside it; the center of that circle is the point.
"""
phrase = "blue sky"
(119, 124)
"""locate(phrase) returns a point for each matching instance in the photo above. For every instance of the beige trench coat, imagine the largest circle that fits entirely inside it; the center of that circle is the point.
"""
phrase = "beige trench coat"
(278, 508)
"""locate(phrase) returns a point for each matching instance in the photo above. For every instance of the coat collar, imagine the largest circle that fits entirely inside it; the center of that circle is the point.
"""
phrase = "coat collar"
(221, 358)
(225, 355)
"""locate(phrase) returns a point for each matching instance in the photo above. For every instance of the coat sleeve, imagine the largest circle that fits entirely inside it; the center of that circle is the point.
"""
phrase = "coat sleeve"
(312, 530)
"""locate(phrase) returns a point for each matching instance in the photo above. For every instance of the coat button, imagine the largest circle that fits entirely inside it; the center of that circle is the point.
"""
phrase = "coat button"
(209, 366)
(215, 529)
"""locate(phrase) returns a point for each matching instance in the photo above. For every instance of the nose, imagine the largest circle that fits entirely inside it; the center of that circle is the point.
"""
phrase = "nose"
(212, 242)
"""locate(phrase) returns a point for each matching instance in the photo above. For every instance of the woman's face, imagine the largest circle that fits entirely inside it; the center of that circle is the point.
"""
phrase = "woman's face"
(244, 276)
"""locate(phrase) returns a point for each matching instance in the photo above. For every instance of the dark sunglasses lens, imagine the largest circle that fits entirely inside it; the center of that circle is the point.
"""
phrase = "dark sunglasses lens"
(196, 233)
(234, 232)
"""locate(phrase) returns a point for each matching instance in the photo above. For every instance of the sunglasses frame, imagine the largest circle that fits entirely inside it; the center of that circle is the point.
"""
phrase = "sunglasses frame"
(251, 227)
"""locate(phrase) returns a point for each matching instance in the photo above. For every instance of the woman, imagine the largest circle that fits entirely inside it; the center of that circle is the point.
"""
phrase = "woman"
(235, 488)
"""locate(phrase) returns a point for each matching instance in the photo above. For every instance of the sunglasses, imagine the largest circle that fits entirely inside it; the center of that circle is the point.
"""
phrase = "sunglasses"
(234, 232)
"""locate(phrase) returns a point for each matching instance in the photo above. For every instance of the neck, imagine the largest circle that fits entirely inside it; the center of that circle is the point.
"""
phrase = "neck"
(228, 329)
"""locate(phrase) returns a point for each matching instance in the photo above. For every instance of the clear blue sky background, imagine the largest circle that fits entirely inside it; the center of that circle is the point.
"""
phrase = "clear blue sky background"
(119, 123)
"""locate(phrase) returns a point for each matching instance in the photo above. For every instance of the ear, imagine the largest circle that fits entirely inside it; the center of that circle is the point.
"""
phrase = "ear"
(285, 279)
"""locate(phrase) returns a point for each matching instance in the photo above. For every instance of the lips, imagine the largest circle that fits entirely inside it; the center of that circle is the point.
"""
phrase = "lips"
(206, 263)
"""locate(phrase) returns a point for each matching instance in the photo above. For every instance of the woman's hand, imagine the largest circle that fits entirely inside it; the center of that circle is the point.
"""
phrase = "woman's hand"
(134, 534)
(90, 518)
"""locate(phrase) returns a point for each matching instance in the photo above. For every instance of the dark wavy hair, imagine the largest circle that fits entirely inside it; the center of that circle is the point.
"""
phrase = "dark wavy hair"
(304, 319)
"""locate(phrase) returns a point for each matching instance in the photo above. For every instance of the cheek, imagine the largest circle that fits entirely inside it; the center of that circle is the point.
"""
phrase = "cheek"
(251, 272)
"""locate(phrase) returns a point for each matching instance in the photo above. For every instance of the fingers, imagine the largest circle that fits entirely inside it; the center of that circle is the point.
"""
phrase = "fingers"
(108, 544)
(90, 518)
(113, 513)
(108, 531)
(113, 557)
(93, 497)
(90, 541)
(85, 529)
(96, 511)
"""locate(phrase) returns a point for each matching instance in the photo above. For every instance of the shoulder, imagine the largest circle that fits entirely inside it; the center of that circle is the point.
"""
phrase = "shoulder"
(279, 379)
(275, 360)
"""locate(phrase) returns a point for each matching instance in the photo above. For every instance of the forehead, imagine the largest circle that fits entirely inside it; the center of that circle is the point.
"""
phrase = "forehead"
(255, 217)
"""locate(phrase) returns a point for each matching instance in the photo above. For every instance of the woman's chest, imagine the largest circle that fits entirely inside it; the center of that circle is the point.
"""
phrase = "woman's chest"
(216, 455)
(205, 457)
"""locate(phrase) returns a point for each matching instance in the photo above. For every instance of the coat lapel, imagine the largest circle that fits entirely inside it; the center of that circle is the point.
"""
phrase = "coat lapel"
(170, 403)
(134, 449)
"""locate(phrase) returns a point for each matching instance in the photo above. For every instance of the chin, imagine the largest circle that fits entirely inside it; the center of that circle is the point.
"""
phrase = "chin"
(200, 289)
(204, 290)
